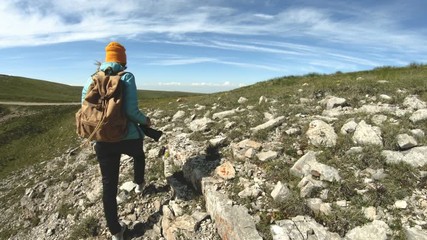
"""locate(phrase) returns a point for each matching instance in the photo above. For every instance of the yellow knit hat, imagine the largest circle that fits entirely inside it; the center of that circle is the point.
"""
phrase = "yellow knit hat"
(115, 52)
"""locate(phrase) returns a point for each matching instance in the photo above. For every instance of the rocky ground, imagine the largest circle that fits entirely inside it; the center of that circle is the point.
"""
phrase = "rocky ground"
(318, 167)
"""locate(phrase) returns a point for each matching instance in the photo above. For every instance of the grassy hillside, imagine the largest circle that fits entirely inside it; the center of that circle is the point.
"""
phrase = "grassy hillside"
(32, 90)
(32, 134)
(349, 85)
(353, 86)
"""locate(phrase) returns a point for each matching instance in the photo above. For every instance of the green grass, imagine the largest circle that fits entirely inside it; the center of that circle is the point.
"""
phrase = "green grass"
(87, 227)
(31, 90)
(39, 135)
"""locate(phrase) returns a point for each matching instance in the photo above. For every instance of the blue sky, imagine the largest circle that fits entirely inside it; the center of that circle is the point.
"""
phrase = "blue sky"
(209, 46)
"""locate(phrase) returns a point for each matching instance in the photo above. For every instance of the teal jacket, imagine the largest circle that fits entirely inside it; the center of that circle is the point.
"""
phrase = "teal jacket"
(130, 101)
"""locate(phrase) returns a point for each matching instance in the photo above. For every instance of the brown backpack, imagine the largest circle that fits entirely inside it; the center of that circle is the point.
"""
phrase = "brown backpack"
(101, 116)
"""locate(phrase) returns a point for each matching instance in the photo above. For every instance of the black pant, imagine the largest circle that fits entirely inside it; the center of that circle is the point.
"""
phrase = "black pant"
(108, 155)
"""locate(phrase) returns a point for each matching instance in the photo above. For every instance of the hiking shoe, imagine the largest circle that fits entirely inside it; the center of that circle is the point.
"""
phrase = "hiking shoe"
(140, 187)
(120, 235)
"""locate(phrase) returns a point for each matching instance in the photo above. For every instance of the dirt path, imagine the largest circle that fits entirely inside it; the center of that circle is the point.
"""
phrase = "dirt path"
(38, 103)
(14, 114)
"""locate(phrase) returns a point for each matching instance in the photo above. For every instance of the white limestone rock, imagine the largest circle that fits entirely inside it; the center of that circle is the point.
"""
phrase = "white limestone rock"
(370, 213)
(418, 116)
(128, 186)
(292, 228)
(416, 157)
(200, 124)
(178, 115)
(405, 142)
(332, 102)
(321, 134)
(270, 124)
(308, 163)
(262, 99)
(418, 133)
(377, 230)
(348, 127)
(415, 233)
(280, 192)
(223, 114)
(266, 156)
(217, 141)
(385, 97)
(366, 134)
(400, 204)
(379, 119)
(242, 100)
(413, 102)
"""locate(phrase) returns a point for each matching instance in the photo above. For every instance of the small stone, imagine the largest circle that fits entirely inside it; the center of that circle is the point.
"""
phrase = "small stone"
(341, 203)
(370, 213)
(217, 141)
(348, 127)
(250, 153)
(418, 133)
(321, 134)
(176, 208)
(265, 156)
(131, 217)
(280, 192)
(293, 131)
(404, 141)
(50, 232)
(401, 204)
(262, 99)
(379, 119)
(226, 171)
(178, 115)
(242, 100)
(366, 134)
(324, 194)
(128, 186)
(385, 97)
(419, 115)
(252, 191)
(415, 233)
(325, 208)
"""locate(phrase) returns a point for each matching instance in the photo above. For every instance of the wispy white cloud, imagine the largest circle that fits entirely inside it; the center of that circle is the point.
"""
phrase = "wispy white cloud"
(180, 61)
(264, 16)
(210, 84)
(42, 22)
(249, 47)
(251, 65)
(169, 84)
(171, 60)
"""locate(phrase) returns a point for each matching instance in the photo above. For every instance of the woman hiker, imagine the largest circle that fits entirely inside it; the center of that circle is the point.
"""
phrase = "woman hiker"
(108, 153)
